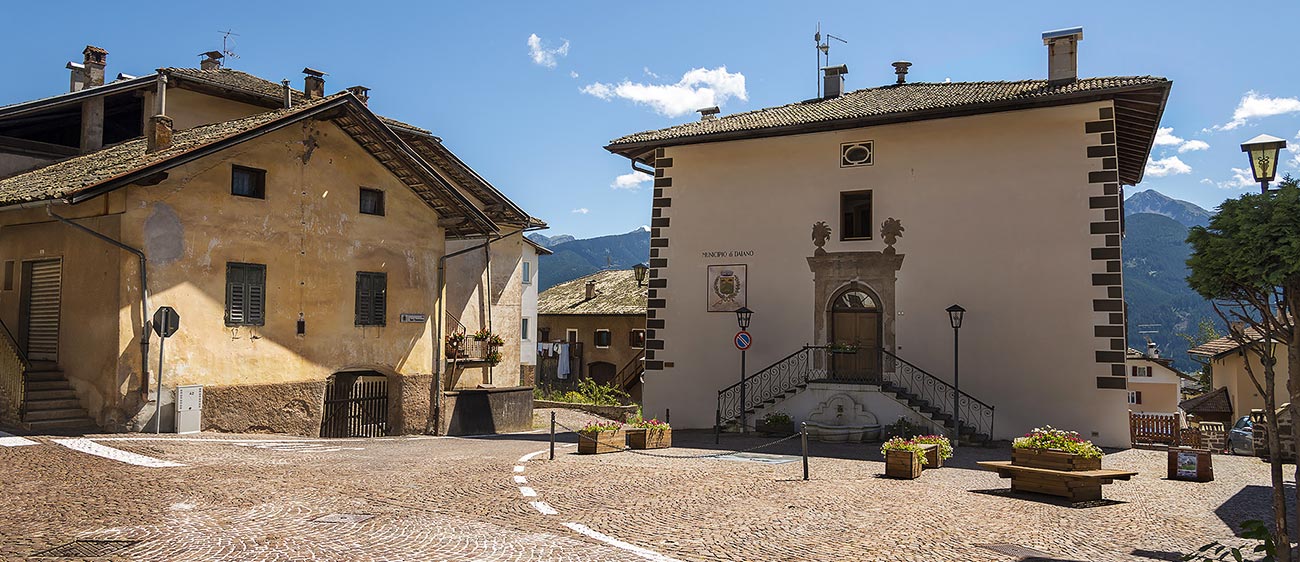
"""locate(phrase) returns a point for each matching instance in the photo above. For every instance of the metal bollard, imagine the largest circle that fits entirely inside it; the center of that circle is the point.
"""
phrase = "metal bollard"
(668, 415)
(552, 435)
(804, 430)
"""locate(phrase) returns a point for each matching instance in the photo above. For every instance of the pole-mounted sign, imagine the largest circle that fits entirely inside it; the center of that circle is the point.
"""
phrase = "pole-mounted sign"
(165, 323)
(743, 340)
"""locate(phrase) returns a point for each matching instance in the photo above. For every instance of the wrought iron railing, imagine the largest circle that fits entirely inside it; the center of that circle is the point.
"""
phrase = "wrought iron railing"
(796, 369)
(13, 365)
(819, 363)
(631, 371)
(937, 393)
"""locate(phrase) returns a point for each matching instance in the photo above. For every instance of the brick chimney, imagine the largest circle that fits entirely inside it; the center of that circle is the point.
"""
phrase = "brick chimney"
(362, 93)
(94, 63)
(900, 70)
(314, 83)
(591, 289)
(834, 81)
(211, 61)
(159, 135)
(1062, 55)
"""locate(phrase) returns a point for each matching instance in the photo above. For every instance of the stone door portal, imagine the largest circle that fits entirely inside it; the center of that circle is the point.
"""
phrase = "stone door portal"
(855, 322)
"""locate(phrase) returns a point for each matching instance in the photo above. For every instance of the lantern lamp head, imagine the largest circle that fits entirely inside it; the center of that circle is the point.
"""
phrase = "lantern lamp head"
(1263, 152)
(955, 314)
(742, 317)
(639, 271)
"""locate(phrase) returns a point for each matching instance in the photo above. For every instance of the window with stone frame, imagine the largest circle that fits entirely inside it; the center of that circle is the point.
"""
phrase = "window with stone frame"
(604, 338)
(636, 338)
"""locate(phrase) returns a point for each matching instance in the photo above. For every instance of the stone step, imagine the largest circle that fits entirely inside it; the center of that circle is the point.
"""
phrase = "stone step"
(42, 426)
(59, 414)
(33, 376)
(48, 385)
(52, 404)
(49, 394)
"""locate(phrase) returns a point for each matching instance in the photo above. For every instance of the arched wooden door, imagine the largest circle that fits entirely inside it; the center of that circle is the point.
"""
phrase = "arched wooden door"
(855, 337)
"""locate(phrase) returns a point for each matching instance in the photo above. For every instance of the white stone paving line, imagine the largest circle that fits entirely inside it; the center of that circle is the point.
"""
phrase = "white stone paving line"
(90, 447)
(520, 479)
(544, 508)
(527, 492)
(634, 549)
(11, 440)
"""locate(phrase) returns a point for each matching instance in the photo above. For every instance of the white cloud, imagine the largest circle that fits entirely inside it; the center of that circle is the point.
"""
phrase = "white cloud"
(648, 72)
(1169, 166)
(1165, 137)
(581, 211)
(1294, 162)
(630, 181)
(1241, 178)
(1253, 105)
(1207, 181)
(573, 74)
(543, 56)
(700, 87)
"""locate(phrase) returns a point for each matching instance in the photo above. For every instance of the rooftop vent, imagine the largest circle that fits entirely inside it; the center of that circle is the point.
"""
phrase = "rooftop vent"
(1062, 55)
(314, 83)
(362, 93)
(834, 81)
(1153, 352)
(900, 69)
(708, 113)
(211, 61)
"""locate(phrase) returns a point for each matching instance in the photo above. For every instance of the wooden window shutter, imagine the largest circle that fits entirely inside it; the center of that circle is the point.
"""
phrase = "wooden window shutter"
(371, 298)
(236, 291)
(255, 277)
(245, 294)
(1138, 396)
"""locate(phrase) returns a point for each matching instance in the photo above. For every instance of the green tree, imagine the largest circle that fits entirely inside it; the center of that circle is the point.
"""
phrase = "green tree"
(1247, 263)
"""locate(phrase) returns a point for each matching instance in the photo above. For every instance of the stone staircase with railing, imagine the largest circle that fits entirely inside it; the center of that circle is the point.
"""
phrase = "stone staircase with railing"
(49, 402)
(902, 381)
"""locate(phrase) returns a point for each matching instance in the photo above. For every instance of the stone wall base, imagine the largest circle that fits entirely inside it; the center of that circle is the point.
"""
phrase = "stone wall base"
(293, 408)
(481, 411)
(1259, 437)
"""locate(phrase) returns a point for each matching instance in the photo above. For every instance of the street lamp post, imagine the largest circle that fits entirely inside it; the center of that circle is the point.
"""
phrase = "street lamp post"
(742, 319)
(955, 315)
(1263, 152)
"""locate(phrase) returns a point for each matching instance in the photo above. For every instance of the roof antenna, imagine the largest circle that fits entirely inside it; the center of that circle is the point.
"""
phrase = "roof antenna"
(823, 48)
(227, 43)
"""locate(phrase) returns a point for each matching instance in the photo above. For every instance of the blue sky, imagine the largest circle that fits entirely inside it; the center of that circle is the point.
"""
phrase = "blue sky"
(531, 115)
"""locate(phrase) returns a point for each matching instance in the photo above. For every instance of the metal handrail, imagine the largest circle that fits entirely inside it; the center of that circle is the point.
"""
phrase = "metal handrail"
(936, 379)
(631, 368)
(13, 344)
(769, 367)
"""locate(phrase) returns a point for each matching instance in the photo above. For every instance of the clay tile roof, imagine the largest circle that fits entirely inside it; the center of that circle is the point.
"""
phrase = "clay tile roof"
(617, 293)
(66, 178)
(1213, 402)
(1215, 348)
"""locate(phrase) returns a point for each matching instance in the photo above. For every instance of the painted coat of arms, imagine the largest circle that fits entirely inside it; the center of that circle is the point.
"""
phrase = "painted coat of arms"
(727, 287)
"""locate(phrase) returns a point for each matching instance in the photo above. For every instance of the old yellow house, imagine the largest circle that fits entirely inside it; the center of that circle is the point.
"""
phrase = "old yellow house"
(1228, 367)
(304, 241)
(848, 224)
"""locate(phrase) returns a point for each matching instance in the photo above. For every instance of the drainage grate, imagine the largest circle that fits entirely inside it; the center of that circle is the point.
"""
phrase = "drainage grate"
(1016, 550)
(86, 549)
(342, 518)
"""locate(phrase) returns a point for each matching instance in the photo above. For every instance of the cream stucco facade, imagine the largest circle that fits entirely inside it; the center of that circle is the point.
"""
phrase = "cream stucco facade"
(998, 217)
(1159, 389)
(1229, 370)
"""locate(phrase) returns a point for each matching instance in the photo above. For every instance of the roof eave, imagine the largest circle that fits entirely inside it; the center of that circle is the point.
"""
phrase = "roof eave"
(77, 96)
(633, 149)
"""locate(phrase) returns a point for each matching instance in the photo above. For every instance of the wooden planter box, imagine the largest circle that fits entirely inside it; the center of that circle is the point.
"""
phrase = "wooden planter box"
(638, 438)
(594, 442)
(902, 464)
(782, 429)
(932, 458)
(1054, 460)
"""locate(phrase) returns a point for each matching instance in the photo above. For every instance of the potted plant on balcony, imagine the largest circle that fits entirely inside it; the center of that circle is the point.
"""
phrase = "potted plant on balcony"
(903, 458)
(1056, 449)
(775, 423)
(844, 348)
(601, 437)
(454, 345)
(482, 335)
(937, 449)
(648, 434)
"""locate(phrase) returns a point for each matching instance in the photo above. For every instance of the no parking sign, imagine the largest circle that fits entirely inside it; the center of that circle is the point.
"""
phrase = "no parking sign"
(743, 340)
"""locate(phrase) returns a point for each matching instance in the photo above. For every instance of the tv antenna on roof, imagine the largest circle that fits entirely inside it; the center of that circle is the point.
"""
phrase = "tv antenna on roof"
(227, 43)
(823, 48)
(1150, 329)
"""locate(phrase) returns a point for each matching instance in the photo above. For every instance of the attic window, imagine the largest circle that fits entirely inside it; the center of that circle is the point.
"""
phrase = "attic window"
(854, 154)
(372, 202)
(248, 182)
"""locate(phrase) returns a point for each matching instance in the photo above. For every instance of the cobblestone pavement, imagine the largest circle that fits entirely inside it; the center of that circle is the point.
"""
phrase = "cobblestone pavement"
(257, 498)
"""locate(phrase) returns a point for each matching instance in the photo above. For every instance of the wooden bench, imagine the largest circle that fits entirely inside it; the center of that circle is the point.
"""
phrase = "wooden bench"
(1075, 485)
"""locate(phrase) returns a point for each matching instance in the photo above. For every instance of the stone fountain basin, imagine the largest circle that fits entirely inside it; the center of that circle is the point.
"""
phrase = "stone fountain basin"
(843, 433)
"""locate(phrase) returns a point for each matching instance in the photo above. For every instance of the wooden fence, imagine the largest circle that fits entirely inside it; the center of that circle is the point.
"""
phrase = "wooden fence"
(1156, 429)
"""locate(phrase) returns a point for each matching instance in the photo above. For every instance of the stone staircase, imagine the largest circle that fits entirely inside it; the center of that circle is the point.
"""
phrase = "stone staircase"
(50, 405)
(907, 384)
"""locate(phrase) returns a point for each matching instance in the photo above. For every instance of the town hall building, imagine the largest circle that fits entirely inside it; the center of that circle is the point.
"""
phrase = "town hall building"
(849, 224)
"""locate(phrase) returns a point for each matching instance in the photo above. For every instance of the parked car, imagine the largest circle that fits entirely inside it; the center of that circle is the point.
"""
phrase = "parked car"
(1240, 437)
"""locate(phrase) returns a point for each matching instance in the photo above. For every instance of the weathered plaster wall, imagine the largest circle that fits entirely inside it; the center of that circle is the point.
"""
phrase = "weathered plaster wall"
(484, 411)
(996, 211)
(469, 292)
(89, 339)
(312, 239)
(13, 164)
(618, 353)
(190, 109)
